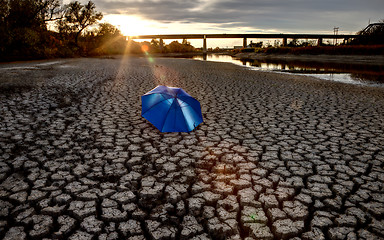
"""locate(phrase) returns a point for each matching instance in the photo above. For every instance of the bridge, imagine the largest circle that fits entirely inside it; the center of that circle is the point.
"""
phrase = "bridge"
(282, 36)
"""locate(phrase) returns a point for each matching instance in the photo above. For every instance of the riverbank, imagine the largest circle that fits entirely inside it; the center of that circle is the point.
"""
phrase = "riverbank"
(339, 59)
(278, 155)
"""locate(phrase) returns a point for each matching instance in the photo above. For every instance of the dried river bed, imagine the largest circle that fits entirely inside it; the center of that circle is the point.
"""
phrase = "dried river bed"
(278, 156)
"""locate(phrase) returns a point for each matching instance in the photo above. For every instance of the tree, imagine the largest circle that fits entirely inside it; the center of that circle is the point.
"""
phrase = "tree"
(176, 47)
(52, 10)
(109, 39)
(78, 17)
(256, 45)
(156, 46)
(107, 30)
(4, 38)
(185, 42)
(23, 27)
(293, 43)
(372, 34)
(4, 10)
(30, 13)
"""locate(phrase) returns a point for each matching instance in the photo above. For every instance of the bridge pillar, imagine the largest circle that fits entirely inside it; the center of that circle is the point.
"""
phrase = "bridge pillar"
(205, 44)
(161, 45)
(244, 42)
(284, 42)
(319, 42)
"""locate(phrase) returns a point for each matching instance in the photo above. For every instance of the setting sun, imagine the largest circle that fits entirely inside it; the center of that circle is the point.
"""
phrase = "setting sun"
(130, 25)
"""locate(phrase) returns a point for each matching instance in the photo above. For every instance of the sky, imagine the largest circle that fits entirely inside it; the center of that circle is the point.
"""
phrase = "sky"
(141, 17)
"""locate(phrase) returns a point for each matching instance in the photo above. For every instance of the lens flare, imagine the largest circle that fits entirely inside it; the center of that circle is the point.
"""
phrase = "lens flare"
(145, 48)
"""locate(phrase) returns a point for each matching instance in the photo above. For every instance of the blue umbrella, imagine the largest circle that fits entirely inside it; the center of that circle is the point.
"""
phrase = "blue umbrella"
(171, 109)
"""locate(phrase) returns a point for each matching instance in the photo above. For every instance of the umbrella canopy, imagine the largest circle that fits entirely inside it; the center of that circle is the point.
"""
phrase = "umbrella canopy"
(171, 109)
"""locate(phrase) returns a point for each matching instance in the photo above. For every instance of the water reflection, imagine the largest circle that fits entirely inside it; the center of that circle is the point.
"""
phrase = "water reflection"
(349, 73)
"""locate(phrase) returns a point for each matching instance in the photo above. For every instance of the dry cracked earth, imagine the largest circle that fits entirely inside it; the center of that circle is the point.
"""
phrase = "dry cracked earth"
(277, 157)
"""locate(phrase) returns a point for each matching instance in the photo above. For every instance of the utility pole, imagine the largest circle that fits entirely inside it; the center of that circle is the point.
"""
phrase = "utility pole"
(335, 32)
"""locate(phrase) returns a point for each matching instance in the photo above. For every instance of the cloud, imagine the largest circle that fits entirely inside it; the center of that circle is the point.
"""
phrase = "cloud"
(283, 16)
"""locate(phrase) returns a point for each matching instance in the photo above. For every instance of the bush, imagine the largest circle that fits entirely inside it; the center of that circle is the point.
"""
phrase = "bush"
(247, 50)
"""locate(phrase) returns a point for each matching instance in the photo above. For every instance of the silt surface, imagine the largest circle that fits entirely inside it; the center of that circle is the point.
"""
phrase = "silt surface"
(278, 156)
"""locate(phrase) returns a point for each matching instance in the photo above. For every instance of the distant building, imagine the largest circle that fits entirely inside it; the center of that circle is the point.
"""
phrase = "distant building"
(237, 47)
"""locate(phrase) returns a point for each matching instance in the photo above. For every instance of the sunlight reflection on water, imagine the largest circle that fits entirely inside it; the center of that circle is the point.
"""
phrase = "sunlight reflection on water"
(324, 71)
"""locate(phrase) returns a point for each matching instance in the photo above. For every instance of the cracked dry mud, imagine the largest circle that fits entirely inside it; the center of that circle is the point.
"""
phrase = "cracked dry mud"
(277, 157)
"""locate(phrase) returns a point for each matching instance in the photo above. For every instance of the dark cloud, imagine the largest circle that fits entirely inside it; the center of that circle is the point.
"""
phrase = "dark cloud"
(285, 16)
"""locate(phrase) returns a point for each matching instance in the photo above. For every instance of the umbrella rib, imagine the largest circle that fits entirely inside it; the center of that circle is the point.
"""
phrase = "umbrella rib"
(191, 107)
(165, 99)
(181, 109)
(185, 120)
(182, 113)
(167, 115)
(174, 122)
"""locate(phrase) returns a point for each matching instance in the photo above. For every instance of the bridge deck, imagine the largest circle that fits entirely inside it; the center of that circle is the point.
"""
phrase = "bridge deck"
(201, 36)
